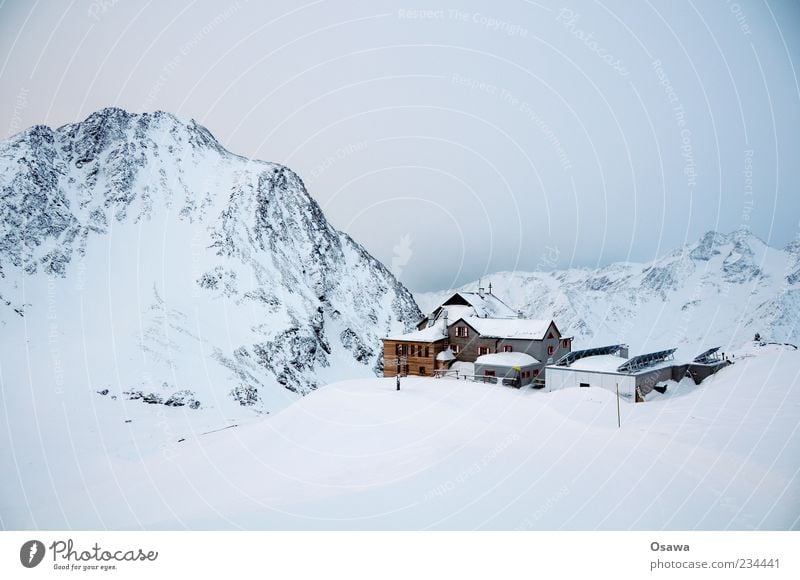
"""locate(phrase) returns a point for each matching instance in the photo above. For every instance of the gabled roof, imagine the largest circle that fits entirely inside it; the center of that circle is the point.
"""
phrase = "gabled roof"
(485, 305)
(520, 328)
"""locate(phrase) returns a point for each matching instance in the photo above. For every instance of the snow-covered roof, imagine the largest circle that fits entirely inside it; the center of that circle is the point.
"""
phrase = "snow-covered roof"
(607, 363)
(445, 355)
(487, 305)
(507, 359)
(455, 311)
(466, 304)
(521, 328)
(428, 334)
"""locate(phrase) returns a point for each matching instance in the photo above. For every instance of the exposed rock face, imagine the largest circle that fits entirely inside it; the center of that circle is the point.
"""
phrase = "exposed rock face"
(229, 264)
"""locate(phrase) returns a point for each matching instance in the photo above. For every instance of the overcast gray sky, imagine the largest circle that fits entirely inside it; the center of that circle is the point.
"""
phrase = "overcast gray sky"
(454, 139)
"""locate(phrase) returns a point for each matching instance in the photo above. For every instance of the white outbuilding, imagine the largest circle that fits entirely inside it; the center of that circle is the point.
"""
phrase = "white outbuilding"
(609, 367)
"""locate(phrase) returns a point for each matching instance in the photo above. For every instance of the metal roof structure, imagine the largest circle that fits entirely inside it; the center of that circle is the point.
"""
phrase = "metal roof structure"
(707, 357)
(571, 357)
(643, 361)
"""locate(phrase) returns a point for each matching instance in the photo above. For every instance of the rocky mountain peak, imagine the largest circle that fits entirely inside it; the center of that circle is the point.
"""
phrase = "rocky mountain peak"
(198, 235)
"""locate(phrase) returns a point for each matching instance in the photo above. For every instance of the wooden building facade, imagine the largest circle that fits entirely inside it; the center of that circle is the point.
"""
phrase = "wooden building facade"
(409, 357)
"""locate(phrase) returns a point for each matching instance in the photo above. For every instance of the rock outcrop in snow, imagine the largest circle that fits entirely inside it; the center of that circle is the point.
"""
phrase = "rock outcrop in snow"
(190, 267)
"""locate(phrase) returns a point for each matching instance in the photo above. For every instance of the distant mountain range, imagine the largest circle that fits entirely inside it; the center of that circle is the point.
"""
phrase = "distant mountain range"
(720, 290)
(140, 257)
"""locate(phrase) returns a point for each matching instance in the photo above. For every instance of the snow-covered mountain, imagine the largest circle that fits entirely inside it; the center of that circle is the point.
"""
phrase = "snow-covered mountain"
(720, 290)
(140, 259)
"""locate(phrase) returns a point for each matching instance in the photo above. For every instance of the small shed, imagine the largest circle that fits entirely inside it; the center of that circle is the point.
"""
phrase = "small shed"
(511, 368)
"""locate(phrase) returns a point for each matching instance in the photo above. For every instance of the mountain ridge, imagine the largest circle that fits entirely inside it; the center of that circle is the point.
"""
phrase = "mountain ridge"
(206, 243)
(721, 289)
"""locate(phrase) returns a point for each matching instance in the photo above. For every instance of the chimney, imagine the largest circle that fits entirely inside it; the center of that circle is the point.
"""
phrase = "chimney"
(623, 351)
(519, 314)
(490, 287)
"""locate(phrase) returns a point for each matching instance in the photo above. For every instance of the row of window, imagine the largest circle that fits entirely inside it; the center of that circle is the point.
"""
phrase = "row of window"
(463, 332)
(418, 350)
(413, 350)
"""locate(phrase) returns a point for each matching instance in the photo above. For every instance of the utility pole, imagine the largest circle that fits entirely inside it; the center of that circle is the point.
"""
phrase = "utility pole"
(619, 421)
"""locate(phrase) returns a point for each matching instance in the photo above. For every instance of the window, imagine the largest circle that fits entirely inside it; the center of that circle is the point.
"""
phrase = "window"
(489, 373)
(461, 331)
(584, 384)
(535, 372)
(427, 352)
(422, 371)
(551, 349)
(550, 335)
(508, 348)
(398, 348)
(482, 350)
(455, 348)
(565, 343)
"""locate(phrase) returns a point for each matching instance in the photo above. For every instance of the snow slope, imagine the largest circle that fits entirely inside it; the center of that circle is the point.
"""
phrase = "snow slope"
(720, 290)
(439, 454)
(140, 258)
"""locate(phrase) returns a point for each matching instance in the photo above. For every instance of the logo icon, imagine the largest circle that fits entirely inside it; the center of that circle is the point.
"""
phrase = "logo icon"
(31, 553)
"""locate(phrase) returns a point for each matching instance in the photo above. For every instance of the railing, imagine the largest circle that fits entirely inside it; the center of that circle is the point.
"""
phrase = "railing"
(454, 374)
